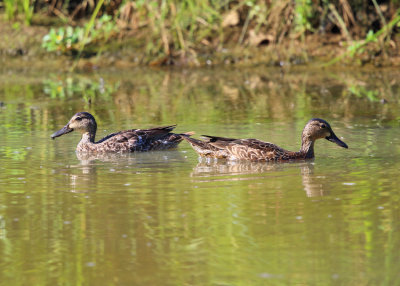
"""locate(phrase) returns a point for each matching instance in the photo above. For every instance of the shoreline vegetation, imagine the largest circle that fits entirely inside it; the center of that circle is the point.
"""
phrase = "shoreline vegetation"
(99, 33)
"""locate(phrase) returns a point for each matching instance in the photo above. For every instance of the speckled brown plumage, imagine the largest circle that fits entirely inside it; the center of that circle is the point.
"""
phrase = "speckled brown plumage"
(159, 138)
(257, 150)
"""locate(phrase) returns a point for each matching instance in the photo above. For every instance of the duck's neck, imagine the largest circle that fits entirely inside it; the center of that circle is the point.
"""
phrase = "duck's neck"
(307, 147)
(87, 143)
(87, 139)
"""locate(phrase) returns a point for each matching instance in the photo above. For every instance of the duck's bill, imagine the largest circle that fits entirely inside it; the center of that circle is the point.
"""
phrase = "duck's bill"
(62, 131)
(333, 138)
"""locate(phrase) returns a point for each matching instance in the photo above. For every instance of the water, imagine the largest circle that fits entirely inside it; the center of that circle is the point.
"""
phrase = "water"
(166, 218)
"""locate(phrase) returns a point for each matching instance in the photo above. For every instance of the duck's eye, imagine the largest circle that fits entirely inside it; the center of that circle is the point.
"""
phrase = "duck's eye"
(323, 126)
(78, 118)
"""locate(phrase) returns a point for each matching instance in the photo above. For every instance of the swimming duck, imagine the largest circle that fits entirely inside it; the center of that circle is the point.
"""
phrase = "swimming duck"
(256, 150)
(159, 138)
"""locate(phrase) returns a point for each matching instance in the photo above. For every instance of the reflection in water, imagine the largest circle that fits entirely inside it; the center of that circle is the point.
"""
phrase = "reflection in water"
(88, 159)
(206, 168)
(313, 185)
(126, 159)
(84, 182)
(85, 177)
(149, 97)
(211, 167)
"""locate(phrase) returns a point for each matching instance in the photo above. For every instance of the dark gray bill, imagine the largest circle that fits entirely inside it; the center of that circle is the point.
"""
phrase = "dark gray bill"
(62, 131)
(336, 140)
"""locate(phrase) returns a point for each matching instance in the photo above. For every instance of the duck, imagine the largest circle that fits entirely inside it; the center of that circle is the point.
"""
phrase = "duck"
(257, 150)
(158, 138)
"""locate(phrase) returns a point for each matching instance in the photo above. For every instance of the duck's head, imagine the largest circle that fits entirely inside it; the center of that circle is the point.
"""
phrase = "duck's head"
(318, 128)
(83, 122)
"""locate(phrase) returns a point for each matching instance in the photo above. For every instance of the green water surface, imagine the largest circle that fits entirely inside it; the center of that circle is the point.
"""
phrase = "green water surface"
(168, 218)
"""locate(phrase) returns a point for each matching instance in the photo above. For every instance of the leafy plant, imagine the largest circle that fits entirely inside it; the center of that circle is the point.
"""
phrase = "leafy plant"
(10, 8)
(74, 38)
(28, 11)
(358, 47)
(62, 39)
(303, 13)
(371, 37)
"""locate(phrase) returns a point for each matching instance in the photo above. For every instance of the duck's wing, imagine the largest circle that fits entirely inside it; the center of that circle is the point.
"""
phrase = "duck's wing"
(159, 138)
(155, 133)
(141, 139)
(115, 137)
(122, 141)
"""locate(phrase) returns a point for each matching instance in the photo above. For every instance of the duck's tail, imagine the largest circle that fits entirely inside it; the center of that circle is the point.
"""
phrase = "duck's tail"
(204, 148)
(187, 134)
(173, 139)
(194, 142)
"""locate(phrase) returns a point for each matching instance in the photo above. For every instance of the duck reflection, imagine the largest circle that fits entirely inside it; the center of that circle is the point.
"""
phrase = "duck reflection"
(123, 159)
(313, 185)
(89, 159)
(94, 171)
(209, 166)
(83, 177)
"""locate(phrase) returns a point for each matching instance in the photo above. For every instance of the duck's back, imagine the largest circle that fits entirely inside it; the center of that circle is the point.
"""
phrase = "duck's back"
(252, 149)
(159, 138)
(256, 150)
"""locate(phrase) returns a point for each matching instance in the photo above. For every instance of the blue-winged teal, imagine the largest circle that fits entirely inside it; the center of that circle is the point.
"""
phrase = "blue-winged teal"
(159, 138)
(256, 150)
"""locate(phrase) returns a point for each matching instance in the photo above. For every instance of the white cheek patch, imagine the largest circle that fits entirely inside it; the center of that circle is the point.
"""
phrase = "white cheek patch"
(73, 125)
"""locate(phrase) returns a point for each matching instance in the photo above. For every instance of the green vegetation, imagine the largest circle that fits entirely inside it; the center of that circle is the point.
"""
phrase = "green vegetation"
(187, 31)
(381, 36)
(73, 39)
(22, 7)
